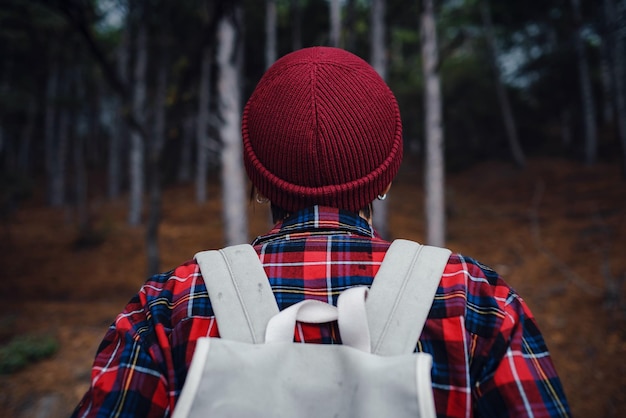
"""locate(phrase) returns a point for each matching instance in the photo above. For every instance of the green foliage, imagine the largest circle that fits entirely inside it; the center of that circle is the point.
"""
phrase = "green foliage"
(25, 350)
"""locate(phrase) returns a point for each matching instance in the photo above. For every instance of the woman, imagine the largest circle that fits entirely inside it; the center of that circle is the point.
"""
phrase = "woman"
(322, 139)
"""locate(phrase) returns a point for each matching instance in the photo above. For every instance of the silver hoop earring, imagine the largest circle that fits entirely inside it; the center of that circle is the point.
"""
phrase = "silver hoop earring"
(382, 196)
(261, 199)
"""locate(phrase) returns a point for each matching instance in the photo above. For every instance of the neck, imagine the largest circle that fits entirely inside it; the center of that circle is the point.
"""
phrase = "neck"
(366, 216)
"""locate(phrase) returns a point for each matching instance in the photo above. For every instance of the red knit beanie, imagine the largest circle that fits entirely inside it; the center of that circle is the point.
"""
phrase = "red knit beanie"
(321, 128)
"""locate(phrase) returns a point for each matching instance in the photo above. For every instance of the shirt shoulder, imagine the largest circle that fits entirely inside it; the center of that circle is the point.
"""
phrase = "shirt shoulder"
(174, 296)
(474, 291)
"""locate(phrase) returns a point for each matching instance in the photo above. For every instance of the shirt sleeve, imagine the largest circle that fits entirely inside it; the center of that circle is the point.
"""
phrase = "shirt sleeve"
(127, 377)
(519, 378)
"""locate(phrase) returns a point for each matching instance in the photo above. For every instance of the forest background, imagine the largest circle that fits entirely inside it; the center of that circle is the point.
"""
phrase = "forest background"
(120, 157)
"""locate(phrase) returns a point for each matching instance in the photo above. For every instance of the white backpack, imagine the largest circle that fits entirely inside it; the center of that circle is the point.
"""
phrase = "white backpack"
(256, 370)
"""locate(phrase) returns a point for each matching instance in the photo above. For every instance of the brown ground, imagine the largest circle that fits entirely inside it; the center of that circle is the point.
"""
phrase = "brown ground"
(556, 232)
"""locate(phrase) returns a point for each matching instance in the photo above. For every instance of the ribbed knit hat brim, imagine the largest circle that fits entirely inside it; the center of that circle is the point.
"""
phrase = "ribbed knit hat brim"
(321, 128)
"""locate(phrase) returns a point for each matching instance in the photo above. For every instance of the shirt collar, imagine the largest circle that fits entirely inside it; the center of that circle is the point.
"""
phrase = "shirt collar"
(319, 220)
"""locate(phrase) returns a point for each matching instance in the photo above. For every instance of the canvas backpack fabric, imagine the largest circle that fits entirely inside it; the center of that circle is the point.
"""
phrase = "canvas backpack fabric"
(255, 369)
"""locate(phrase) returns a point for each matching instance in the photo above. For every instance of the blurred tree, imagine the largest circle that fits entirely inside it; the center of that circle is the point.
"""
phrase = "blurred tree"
(83, 134)
(50, 129)
(434, 177)
(607, 108)
(229, 61)
(60, 138)
(350, 40)
(119, 130)
(187, 139)
(271, 48)
(137, 143)
(202, 124)
(587, 100)
(615, 38)
(156, 144)
(503, 97)
(335, 23)
(296, 32)
(378, 60)
(46, 44)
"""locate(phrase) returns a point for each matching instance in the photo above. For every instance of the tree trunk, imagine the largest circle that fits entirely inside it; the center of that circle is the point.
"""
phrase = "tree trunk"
(50, 124)
(296, 28)
(379, 62)
(154, 157)
(202, 126)
(588, 107)
(82, 134)
(350, 35)
(119, 128)
(378, 40)
(335, 23)
(4, 146)
(114, 167)
(80, 177)
(60, 147)
(229, 91)
(507, 114)
(187, 139)
(566, 129)
(616, 14)
(607, 82)
(137, 151)
(434, 176)
(23, 157)
(271, 50)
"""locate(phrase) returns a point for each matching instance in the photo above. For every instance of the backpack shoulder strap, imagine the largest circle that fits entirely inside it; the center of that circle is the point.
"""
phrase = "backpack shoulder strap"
(240, 293)
(402, 294)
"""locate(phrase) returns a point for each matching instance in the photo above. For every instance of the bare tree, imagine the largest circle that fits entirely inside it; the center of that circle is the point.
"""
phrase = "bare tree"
(187, 138)
(155, 149)
(607, 81)
(378, 54)
(350, 35)
(588, 107)
(615, 15)
(202, 125)
(271, 49)
(83, 134)
(503, 97)
(137, 145)
(378, 39)
(77, 16)
(119, 130)
(566, 130)
(620, 79)
(81, 185)
(335, 23)
(296, 25)
(52, 87)
(229, 61)
(434, 176)
(4, 88)
(60, 145)
(23, 158)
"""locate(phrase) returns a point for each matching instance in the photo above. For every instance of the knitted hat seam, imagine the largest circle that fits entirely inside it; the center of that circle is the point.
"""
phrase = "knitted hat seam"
(322, 128)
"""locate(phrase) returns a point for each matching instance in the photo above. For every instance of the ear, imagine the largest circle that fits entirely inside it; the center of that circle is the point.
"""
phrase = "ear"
(387, 189)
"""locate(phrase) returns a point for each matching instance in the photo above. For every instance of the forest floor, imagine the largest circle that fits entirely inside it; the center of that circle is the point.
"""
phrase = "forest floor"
(555, 231)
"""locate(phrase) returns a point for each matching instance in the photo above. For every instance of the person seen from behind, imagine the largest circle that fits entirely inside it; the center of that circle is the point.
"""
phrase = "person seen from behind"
(322, 139)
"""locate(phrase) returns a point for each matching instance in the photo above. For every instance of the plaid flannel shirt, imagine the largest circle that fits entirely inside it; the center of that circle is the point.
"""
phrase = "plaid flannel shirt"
(489, 358)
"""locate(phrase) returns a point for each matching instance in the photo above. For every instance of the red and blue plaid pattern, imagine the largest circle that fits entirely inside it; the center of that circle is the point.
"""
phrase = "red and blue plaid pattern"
(489, 358)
